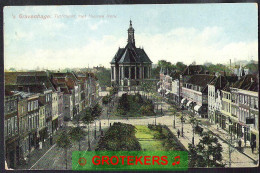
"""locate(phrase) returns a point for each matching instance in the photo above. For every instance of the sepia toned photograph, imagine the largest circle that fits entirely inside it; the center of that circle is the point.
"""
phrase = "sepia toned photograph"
(131, 87)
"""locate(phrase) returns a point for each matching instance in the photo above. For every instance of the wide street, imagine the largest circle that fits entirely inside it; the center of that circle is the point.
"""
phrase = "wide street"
(55, 157)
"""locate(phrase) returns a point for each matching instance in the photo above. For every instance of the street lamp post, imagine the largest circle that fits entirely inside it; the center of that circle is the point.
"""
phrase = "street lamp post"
(193, 126)
(95, 132)
(99, 125)
(107, 117)
(88, 137)
(182, 120)
(174, 121)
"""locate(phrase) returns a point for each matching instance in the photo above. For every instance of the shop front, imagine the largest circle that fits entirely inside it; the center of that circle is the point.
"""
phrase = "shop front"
(55, 125)
(12, 152)
(255, 137)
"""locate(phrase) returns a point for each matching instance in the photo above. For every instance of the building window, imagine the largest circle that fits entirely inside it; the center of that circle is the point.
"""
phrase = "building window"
(15, 124)
(29, 106)
(5, 131)
(12, 125)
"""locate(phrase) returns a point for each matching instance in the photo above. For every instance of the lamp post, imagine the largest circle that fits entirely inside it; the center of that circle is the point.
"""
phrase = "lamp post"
(193, 126)
(174, 121)
(107, 117)
(95, 132)
(88, 137)
(182, 121)
(99, 125)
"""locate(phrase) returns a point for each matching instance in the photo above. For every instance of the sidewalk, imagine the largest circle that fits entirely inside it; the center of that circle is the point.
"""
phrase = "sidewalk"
(226, 136)
(239, 159)
(36, 154)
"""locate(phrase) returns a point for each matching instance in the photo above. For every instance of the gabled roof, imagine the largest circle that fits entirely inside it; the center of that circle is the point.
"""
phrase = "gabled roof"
(247, 82)
(219, 82)
(10, 77)
(66, 84)
(32, 82)
(200, 79)
(130, 54)
(68, 74)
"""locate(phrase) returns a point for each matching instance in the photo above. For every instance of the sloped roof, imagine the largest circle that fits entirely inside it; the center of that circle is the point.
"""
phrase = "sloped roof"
(219, 82)
(66, 84)
(200, 80)
(130, 54)
(33, 80)
(10, 77)
(247, 82)
(68, 74)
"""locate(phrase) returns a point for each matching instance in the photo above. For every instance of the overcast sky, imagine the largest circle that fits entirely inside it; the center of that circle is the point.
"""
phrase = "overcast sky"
(204, 33)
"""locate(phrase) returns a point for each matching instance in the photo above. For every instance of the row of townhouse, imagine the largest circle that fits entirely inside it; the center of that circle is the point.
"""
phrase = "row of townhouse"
(234, 106)
(188, 89)
(230, 101)
(36, 105)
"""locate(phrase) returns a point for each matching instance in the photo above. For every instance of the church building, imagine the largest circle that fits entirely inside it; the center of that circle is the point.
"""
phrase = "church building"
(130, 65)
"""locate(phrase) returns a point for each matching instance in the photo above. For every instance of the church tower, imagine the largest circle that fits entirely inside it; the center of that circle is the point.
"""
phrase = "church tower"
(131, 34)
(131, 65)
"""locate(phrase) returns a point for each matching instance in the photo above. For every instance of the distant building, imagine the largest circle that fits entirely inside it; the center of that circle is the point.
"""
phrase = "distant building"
(131, 65)
(245, 108)
(195, 94)
(186, 75)
(11, 128)
(214, 97)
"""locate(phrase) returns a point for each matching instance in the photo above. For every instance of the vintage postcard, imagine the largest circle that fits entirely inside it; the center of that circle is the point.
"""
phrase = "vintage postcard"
(131, 87)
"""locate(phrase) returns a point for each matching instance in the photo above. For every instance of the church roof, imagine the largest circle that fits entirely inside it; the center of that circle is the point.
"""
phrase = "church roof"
(130, 54)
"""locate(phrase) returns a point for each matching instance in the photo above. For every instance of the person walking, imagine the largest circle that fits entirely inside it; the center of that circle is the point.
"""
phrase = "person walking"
(252, 146)
(239, 144)
(51, 139)
(178, 133)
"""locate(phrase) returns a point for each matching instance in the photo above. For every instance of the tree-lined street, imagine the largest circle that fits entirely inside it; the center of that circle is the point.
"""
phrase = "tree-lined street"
(54, 158)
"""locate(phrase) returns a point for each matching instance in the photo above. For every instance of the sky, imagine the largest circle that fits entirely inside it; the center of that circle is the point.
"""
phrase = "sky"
(82, 36)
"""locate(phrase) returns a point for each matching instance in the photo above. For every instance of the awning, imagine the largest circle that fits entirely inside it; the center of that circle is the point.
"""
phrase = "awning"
(197, 107)
(189, 102)
(183, 100)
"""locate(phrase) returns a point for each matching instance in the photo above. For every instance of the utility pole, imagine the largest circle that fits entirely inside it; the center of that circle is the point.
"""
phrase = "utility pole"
(182, 121)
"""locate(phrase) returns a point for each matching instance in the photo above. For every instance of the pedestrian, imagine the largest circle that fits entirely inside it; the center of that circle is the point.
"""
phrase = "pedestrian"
(51, 139)
(178, 133)
(239, 144)
(252, 145)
